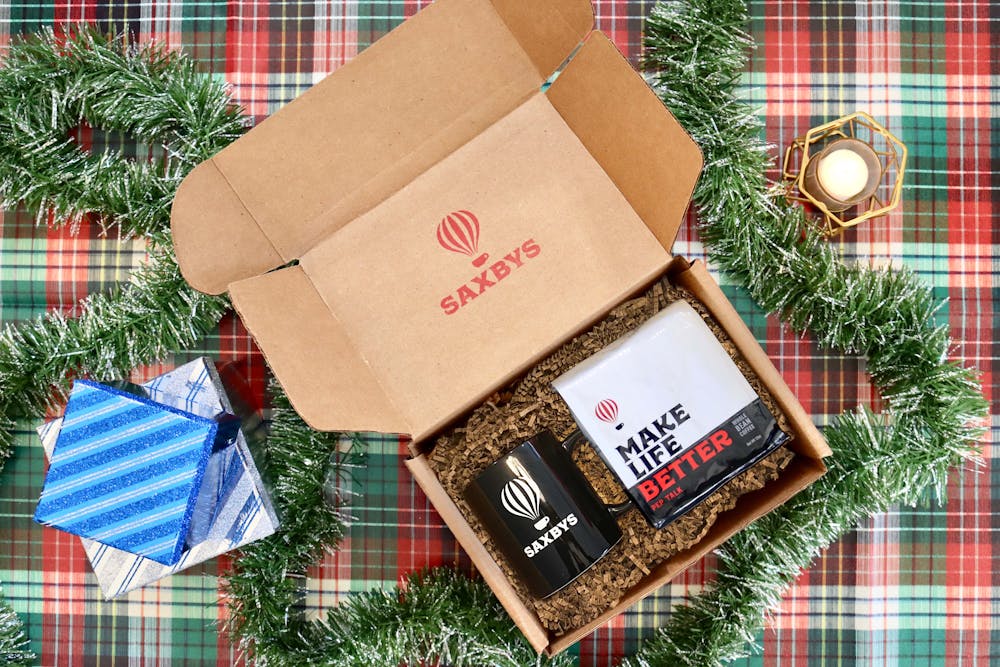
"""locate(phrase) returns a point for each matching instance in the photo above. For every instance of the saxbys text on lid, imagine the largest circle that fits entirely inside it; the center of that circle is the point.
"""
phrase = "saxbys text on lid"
(458, 232)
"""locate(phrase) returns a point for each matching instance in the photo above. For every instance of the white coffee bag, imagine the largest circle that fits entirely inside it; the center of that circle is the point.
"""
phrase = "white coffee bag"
(669, 412)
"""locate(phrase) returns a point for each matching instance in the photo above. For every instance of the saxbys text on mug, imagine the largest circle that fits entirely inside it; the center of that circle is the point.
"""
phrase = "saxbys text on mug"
(550, 536)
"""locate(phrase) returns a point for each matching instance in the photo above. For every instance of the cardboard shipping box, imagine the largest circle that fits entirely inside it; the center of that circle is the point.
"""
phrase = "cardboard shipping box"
(425, 224)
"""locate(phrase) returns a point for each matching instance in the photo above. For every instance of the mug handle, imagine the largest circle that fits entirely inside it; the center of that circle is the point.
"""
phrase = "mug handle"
(569, 444)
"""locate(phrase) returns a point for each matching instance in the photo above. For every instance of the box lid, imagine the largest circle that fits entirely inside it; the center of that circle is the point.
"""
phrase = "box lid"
(433, 150)
(401, 105)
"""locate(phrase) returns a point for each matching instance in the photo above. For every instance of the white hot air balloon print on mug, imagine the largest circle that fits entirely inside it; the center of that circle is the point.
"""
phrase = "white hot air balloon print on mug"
(520, 496)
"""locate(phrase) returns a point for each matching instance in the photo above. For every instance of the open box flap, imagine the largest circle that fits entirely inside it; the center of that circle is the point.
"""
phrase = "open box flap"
(410, 99)
(353, 178)
(286, 313)
(624, 125)
(215, 237)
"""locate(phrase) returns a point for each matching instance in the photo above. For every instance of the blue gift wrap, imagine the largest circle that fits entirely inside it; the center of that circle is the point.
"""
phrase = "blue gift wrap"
(126, 471)
(157, 483)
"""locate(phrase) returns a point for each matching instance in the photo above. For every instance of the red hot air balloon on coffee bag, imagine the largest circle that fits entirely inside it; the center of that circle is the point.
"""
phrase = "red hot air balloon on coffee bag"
(607, 412)
(459, 232)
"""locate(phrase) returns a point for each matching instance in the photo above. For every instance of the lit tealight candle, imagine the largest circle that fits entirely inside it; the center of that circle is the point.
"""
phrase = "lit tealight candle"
(846, 173)
(843, 174)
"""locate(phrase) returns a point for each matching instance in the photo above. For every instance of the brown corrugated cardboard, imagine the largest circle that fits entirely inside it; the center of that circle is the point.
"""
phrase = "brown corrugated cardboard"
(362, 169)
(449, 224)
(401, 106)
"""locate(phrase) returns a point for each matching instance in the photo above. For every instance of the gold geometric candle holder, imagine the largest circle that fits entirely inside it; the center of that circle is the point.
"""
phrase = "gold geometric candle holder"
(851, 169)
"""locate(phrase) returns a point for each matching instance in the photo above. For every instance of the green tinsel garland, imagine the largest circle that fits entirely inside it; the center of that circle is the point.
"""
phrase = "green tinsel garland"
(48, 87)
(14, 648)
(698, 48)
(934, 408)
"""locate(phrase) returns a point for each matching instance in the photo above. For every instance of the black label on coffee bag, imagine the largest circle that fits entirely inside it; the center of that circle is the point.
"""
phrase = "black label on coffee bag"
(672, 480)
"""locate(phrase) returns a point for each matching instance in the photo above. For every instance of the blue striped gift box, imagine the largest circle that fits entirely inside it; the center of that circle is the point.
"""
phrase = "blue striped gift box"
(233, 507)
(126, 471)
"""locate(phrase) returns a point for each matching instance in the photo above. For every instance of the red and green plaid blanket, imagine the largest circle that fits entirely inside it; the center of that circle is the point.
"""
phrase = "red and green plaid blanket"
(916, 586)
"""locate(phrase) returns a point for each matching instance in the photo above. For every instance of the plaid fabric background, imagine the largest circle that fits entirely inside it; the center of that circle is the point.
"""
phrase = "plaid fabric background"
(912, 587)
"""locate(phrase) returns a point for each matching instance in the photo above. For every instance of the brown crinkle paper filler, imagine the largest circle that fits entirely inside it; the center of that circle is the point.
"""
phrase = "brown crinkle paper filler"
(530, 405)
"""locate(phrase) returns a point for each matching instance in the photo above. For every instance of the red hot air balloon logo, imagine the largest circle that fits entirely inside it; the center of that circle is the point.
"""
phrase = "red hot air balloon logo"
(607, 411)
(459, 232)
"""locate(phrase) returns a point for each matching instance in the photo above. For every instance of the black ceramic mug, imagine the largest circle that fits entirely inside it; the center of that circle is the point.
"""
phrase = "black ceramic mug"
(543, 513)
